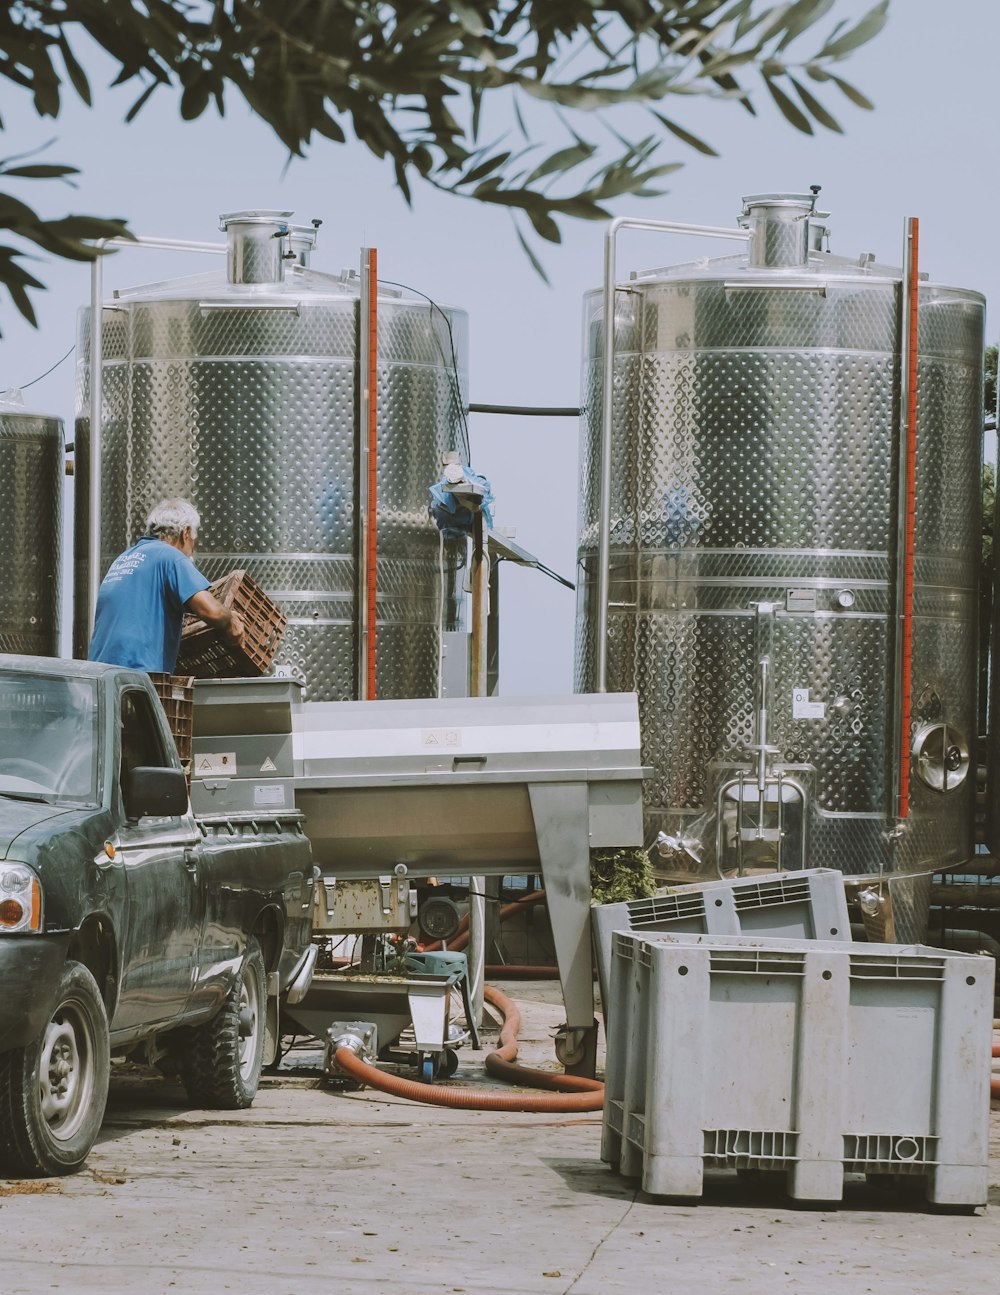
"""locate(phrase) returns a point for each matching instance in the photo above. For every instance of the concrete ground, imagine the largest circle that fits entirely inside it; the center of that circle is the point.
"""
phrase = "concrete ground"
(315, 1190)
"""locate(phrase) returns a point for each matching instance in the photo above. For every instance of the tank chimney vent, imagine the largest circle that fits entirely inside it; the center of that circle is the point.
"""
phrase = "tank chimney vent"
(779, 228)
(257, 243)
(819, 232)
(302, 240)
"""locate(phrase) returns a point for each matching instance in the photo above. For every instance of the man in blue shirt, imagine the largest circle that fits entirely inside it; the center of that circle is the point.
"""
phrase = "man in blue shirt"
(147, 590)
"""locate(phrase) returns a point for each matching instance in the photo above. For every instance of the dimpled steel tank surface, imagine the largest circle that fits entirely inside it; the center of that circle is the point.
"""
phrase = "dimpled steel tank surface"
(239, 391)
(31, 483)
(754, 590)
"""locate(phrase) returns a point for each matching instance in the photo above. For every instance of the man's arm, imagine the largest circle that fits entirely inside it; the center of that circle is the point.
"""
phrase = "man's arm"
(208, 608)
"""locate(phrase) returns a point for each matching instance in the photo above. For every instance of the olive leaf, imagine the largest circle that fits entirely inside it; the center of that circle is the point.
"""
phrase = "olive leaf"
(414, 81)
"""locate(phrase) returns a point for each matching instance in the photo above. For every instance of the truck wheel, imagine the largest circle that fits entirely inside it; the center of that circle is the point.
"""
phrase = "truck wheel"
(220, 1062)
(53, 1091)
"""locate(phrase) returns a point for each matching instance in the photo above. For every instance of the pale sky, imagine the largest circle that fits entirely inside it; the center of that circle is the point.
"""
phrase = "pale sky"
(928, 150)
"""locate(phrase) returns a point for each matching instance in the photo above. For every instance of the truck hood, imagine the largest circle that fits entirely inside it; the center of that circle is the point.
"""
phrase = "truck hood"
(20, 816)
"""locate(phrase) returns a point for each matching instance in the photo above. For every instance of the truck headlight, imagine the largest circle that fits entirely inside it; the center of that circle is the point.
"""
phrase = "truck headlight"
(20, 898)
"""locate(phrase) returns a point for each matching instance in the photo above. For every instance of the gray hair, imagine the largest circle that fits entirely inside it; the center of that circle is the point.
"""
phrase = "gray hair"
(171, 518)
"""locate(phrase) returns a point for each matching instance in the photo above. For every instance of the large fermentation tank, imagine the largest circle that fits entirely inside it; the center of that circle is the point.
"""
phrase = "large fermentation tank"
(754, 585)
(239, 390)
(31, 482)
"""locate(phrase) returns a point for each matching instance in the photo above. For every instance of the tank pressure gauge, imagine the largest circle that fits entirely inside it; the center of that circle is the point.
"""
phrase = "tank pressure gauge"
(845, 599)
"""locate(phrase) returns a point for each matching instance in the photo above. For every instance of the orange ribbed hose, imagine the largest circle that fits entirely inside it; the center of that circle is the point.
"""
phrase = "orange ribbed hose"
(501, 1063)
(586, 1094)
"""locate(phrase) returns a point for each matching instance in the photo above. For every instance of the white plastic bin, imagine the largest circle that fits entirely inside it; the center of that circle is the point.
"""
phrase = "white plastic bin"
(813, 1057)
(806, 905)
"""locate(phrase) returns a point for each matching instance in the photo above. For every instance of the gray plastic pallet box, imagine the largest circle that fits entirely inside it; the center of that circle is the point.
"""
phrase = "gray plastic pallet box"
(814, 1057)
(806, 905)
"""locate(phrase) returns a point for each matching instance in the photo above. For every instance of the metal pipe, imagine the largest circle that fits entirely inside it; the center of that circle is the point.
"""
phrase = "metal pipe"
(366, 442)
(764, 634)
(528, 411)
(905, 495)
(607, 414)
(96, 403)
(97, 393)
(480, 589)
(165, 244)
(478, 688)
(966, 895)
(477, 946)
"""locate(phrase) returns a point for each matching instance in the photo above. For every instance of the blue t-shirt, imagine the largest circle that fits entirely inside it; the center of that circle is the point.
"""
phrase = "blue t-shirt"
(140, 607)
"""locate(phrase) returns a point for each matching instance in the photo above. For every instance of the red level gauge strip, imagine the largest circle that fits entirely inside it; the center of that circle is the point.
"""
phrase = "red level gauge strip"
(372, 463)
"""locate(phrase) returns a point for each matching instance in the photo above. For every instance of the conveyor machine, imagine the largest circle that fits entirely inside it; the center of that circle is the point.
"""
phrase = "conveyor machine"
(454, 787)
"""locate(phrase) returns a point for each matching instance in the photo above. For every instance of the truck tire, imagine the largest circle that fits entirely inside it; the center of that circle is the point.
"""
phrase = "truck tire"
(220, 1062)
(53, 1091)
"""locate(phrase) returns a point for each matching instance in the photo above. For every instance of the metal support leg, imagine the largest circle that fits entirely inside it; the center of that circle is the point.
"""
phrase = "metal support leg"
(477, 944)
(561, 814)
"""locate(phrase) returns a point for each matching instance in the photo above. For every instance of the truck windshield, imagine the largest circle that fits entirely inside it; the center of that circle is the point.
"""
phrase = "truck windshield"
(48, 739)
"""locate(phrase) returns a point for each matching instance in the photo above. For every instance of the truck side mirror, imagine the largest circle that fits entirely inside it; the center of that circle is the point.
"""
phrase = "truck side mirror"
(160, 793)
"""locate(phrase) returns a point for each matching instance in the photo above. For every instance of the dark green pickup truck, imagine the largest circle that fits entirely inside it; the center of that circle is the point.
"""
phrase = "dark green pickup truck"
(127, 925)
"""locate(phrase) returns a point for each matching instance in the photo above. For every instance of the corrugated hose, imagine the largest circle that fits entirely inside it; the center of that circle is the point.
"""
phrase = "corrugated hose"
(571, 1094)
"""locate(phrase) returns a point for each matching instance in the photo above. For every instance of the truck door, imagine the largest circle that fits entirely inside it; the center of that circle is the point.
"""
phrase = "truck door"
(164, 892)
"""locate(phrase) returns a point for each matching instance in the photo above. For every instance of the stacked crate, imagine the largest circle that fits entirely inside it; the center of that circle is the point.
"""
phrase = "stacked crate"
(806, 905)
(176, 694)
(205, 654)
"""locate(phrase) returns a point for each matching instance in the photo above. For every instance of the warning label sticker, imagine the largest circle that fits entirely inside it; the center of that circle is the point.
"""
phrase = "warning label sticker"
(441, 737)
(268, 766)
(211, 764)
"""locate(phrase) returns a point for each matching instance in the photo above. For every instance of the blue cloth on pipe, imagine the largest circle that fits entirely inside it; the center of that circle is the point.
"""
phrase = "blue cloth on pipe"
(453, 519)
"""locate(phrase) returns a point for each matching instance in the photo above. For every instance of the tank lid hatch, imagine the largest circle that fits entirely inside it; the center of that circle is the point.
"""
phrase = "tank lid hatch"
(256, 216)
(257, 245)
(779, 228)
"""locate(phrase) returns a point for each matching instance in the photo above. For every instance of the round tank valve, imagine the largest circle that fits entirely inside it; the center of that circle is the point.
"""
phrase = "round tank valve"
(870, 902)
(941, 756)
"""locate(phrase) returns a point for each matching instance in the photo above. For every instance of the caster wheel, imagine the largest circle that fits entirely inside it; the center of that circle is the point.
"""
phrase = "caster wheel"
(447, 1064)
